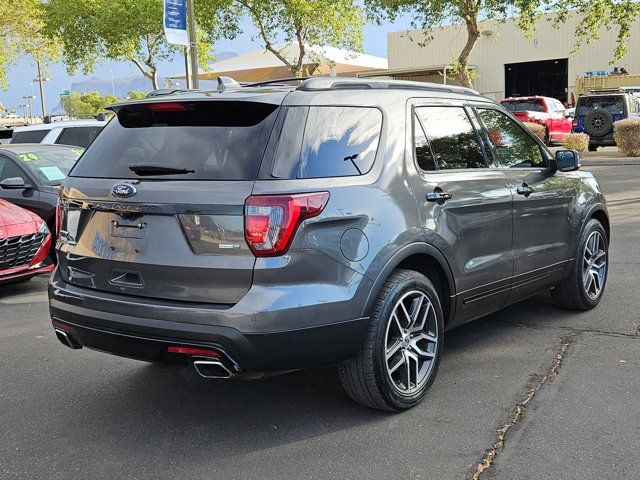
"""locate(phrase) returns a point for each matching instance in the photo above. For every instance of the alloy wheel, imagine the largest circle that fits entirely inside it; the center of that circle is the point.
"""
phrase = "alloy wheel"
(411, 342)
(594, 268)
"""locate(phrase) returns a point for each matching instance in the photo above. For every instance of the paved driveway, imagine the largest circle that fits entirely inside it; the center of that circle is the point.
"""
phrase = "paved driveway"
(81, 414)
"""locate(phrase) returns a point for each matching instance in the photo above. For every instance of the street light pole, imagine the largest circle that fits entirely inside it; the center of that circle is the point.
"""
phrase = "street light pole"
(193, 53)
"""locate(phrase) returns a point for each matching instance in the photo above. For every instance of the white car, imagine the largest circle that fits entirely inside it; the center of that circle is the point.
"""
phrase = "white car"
(78, 133)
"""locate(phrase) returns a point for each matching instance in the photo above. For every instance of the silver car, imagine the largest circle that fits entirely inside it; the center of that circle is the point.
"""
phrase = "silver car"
(344, 222)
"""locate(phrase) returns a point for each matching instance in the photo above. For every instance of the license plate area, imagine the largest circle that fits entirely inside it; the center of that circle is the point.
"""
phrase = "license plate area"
(127, 229)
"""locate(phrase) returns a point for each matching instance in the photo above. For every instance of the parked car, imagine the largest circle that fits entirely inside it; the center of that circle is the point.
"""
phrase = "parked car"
(79, 133)
(597, 111)
(24, 244)
(341, 222)
(545, 111)
(31, 174)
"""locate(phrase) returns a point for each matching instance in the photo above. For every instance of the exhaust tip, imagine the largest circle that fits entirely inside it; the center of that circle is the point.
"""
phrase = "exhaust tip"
(66, 339)
(211, 369)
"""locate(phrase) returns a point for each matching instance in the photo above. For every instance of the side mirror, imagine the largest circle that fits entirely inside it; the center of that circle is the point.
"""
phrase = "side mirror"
(567, 160)
(14, 183)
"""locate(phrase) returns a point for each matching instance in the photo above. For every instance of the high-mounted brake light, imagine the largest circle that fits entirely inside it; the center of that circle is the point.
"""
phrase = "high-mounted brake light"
(271, 221)
(166, 107)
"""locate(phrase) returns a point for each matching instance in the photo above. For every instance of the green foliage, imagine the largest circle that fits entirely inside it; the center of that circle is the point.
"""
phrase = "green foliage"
(91, 31)
(431, 14)
(86, 105)
(136, 95)
(20, 33)
(337, 23)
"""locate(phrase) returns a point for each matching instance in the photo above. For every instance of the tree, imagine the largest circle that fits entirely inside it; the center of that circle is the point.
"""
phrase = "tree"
(430, 14)
(135, 95)
(85, 105)
(305, 22)
(127, 30)
(21, 33)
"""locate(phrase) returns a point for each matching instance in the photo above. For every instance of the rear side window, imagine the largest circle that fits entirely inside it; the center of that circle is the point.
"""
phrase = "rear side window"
(214, 140)
(453, 139)
(78, 136)
(29, 136)
(614, 104)
(319, 142)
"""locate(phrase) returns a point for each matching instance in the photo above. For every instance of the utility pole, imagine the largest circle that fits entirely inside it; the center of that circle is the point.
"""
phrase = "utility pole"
(193, 53)
(186, 68)
(41, 79)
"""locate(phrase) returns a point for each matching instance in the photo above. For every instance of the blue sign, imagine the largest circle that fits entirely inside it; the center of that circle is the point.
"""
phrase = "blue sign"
(175, 22)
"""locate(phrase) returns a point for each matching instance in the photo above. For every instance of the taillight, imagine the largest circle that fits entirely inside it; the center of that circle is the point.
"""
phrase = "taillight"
(59, 212)
(575, 122)
(271, 221)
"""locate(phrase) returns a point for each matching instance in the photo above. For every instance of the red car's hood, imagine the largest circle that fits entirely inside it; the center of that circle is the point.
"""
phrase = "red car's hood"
(16, 221)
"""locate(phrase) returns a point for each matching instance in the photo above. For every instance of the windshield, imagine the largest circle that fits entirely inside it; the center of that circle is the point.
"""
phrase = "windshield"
(212, 140)
(614, 104)
(50, 165)
(524, 105)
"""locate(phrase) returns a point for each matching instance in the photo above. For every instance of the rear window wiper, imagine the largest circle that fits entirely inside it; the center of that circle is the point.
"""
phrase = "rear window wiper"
(146, 169)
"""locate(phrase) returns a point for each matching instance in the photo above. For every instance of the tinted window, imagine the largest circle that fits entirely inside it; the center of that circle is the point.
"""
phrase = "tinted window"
(339, 141)
(424, 157)
(317, 142)
(51, 165)
(512, 145)
(78, 136)
(29, 136)
(453, 139)
(218, 140)
(614, 104)
(8, 169)
(524, 105)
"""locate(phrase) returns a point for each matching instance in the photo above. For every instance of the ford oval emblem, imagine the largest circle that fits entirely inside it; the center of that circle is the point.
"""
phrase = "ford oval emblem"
(123, 190)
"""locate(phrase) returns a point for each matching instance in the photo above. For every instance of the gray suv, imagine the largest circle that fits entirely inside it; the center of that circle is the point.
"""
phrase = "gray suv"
(346, 222)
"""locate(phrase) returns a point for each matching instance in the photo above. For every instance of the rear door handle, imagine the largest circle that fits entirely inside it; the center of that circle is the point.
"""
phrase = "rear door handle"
(525, 190)
(439, 197)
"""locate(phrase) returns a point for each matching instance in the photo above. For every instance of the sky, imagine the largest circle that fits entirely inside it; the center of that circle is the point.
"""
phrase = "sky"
(21, 74)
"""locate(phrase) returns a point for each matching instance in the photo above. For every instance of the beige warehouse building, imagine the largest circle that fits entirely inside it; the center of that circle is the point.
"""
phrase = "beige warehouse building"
(507, 63)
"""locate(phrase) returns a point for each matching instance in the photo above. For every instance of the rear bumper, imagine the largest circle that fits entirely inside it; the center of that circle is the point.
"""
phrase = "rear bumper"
(148, 337)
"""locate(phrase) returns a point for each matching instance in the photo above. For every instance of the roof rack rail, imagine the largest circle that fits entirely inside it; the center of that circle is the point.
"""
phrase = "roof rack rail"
(276, 81)
(336, 83)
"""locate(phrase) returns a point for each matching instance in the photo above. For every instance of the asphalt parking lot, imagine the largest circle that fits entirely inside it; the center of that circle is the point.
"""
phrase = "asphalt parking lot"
(554, 394)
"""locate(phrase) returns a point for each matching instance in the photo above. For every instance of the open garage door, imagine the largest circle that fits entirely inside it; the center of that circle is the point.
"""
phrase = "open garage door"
(548, 78)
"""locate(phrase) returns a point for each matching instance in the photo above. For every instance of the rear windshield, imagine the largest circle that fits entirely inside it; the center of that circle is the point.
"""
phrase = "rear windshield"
(29, 136)
(78, 136)
(614, 104)
(524, 105)
(213, 140)
(50, 164)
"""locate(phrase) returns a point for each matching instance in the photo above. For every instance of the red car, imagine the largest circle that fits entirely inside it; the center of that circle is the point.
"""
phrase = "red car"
(543, 110)
(25, 241)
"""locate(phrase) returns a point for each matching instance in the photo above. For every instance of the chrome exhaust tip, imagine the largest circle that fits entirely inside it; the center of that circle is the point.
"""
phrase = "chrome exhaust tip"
(211, 368)
(66, 340)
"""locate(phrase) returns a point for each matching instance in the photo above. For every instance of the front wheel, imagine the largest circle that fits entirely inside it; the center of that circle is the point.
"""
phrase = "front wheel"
(400, 354)
(584, 287)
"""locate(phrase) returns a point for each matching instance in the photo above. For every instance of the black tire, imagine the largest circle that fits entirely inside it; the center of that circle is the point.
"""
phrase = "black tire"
(571, 294)
(598, 123)
(593, 148)
(365, 377)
